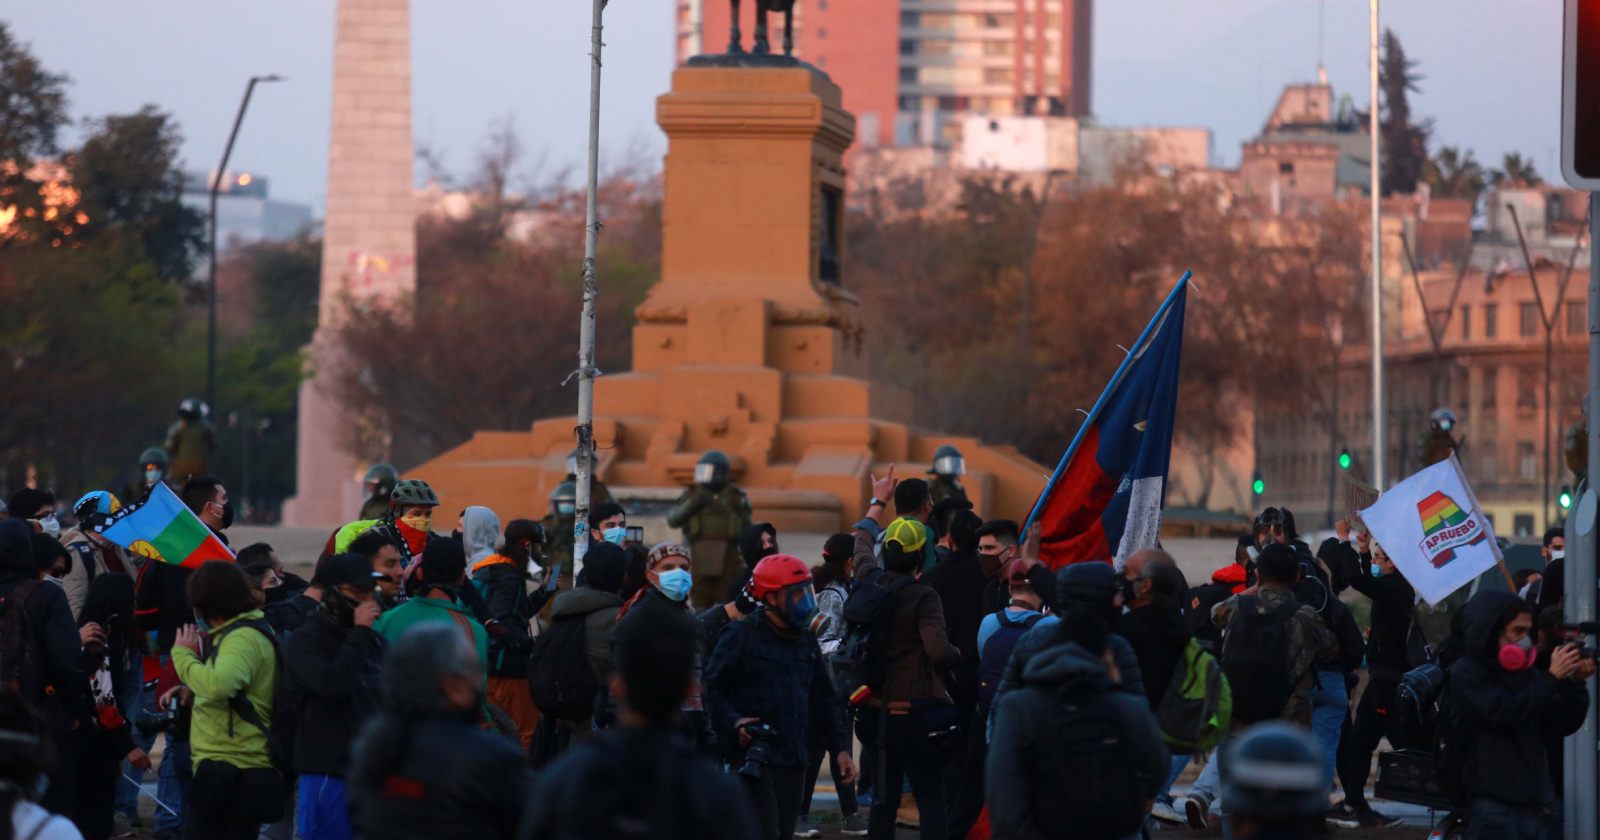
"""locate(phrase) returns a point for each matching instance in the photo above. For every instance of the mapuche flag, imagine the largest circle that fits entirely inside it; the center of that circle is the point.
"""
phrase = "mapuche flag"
(1104, 500)
(162, 524)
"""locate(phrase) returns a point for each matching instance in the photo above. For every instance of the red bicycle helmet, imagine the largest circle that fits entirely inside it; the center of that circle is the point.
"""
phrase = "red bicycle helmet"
(775, 572)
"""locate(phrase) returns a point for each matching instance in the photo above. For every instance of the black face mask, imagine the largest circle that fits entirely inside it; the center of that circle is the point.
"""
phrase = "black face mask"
(227, 515)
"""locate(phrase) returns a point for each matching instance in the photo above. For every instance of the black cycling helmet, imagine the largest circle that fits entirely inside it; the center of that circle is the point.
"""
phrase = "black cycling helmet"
(413, 491)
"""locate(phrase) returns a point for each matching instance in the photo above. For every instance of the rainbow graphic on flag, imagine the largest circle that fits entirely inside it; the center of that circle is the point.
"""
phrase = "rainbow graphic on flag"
(162, 524)
(1445, 528)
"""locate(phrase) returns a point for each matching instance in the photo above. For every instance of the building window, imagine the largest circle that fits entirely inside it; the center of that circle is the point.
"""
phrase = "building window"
(1522, 525)
(1528, 388)
(994, 49)
(908, 75)
(1491, 314)
(999, 21)
(997, 75)
(911, 19)
(1527, 461)
(1528, 319)
(1488, 461)
(1491, 388)
(1466, 323)
(908, 46)
(1577, 318)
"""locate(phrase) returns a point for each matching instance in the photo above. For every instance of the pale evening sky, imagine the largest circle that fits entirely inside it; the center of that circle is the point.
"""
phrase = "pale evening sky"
(1492, 71)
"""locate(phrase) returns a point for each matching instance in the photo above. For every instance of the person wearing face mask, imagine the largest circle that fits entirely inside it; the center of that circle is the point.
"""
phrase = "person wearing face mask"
(379, 483)
(1504, 708)
(410, 520)
(608, 522)
(37, 506)
(767, 670)
(668, 582)
(154, 467)
(755, 542)
(558, 527)
(1373, 574)
(502, 579)
(423, 768)
(713, 513)
(1551, 590)
(332, 662)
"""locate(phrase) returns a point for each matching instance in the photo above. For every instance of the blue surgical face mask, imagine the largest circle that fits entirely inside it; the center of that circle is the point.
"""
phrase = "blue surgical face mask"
(1377, 570)
(615, 536)
(675, 583)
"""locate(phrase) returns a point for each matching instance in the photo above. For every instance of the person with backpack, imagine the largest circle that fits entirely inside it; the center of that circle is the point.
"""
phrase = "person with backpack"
(101, 741)
(1154, 626)
(41, 657)
(997, 636)
(442, 573)
(1270, 646)
(1225, 582)
(234, 678)
(571, 659)
(332, 669)
(642, 778)
(831, 580)
(1503, 708)
(668, 584)
(502, 579)
(767, 688)
(425, 768)
(906, 713)
(1071, 751)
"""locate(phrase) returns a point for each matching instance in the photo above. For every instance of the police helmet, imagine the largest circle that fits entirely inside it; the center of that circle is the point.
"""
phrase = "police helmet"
(192, 408)
(712, 470)
(1442, 420)
(154, 456)
(564, 500)
(948, 463)
(381, 478)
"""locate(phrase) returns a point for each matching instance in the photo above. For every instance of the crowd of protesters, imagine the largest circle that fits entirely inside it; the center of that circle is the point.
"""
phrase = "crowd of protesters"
(431, 686)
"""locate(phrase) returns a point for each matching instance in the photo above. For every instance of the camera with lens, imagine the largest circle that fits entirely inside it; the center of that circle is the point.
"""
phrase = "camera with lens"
(152, 722)
(759, 751)
(1579, 634)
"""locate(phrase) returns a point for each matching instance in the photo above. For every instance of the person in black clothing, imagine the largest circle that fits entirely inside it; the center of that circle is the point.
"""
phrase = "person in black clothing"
(642, 779)
(668, 582)
(102, 741)
(1373, 574)
(1504, 708)
(959, 580)
(758, 540)
(1553, 587)
(767, 669)
(1154, 625)
(424, 768)
(997, 547)
(332, 665)
(288, 615)
(56, 686)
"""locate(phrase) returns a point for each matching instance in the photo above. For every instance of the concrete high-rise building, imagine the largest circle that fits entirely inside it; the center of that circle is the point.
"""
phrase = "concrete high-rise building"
(912, 69)
(369, 235)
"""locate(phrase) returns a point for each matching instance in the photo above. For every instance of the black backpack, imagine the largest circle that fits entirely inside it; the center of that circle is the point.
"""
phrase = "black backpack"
(1084, 769)
(559, 676)
(997, 652)
(1254, 650)
(21, 654)
(280, 731)
(860, 660)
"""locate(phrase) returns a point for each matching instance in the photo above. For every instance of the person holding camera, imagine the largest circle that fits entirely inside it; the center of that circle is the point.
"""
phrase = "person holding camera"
(232, 677)
(1505, 708)
(768, 690)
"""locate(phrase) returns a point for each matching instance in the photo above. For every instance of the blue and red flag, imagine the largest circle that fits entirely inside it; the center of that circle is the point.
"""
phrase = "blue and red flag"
(163, 528)
(1104, 500)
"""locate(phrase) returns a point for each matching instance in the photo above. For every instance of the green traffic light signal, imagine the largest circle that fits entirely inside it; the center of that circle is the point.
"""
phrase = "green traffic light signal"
(1258, 485)
(1565, 498)
(1344, 459)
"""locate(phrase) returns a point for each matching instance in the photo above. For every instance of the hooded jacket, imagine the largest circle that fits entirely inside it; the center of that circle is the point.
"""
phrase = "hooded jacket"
(599, 612)
(1023, 714)
(502, 584)
(50, 618)
(1506, 716)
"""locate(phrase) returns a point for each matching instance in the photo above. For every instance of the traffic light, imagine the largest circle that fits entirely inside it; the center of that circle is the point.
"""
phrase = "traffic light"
(1257, 484)
(1344, 459)
(1580, 95)
(1565, 499)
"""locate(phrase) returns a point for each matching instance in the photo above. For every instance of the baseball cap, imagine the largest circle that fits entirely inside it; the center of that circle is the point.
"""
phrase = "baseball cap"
(909, 533)
(348, 570)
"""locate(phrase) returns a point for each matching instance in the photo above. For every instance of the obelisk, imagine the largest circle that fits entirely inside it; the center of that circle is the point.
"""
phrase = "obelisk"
(369, 236)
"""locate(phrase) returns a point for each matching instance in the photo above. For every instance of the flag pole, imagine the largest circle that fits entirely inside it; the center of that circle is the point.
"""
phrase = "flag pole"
(1099, 404)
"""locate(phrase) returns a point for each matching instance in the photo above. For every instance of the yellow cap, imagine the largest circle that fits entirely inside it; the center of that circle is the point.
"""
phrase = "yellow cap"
(909, 533)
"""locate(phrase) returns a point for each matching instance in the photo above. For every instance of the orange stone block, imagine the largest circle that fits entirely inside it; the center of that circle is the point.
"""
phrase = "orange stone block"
(747, 344)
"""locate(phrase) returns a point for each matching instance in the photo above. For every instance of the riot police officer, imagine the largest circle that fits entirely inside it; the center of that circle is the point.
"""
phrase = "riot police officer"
(712, 512)
(1440, 440)
(190, 440)
(379, 482)
(558, 526)
(154, 467)
(948, 468)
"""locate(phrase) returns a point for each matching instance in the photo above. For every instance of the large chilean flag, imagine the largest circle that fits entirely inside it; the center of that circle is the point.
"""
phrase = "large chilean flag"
(1104, 500)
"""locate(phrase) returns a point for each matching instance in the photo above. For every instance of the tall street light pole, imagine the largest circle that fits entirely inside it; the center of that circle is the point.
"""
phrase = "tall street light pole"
(211, 269)
(1379, 439)
(591, 289)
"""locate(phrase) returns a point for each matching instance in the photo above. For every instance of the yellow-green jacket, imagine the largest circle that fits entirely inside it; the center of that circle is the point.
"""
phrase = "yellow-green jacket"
(244, 660)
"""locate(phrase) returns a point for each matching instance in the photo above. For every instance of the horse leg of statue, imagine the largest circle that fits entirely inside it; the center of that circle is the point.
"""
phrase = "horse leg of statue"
(788, 30)
(734, 47)
(760, 47)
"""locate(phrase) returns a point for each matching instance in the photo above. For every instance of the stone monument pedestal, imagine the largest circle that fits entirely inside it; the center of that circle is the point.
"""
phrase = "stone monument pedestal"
(749, 343)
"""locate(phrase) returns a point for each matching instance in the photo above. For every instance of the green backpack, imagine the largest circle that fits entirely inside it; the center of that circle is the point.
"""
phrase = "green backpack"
(1198, 706)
